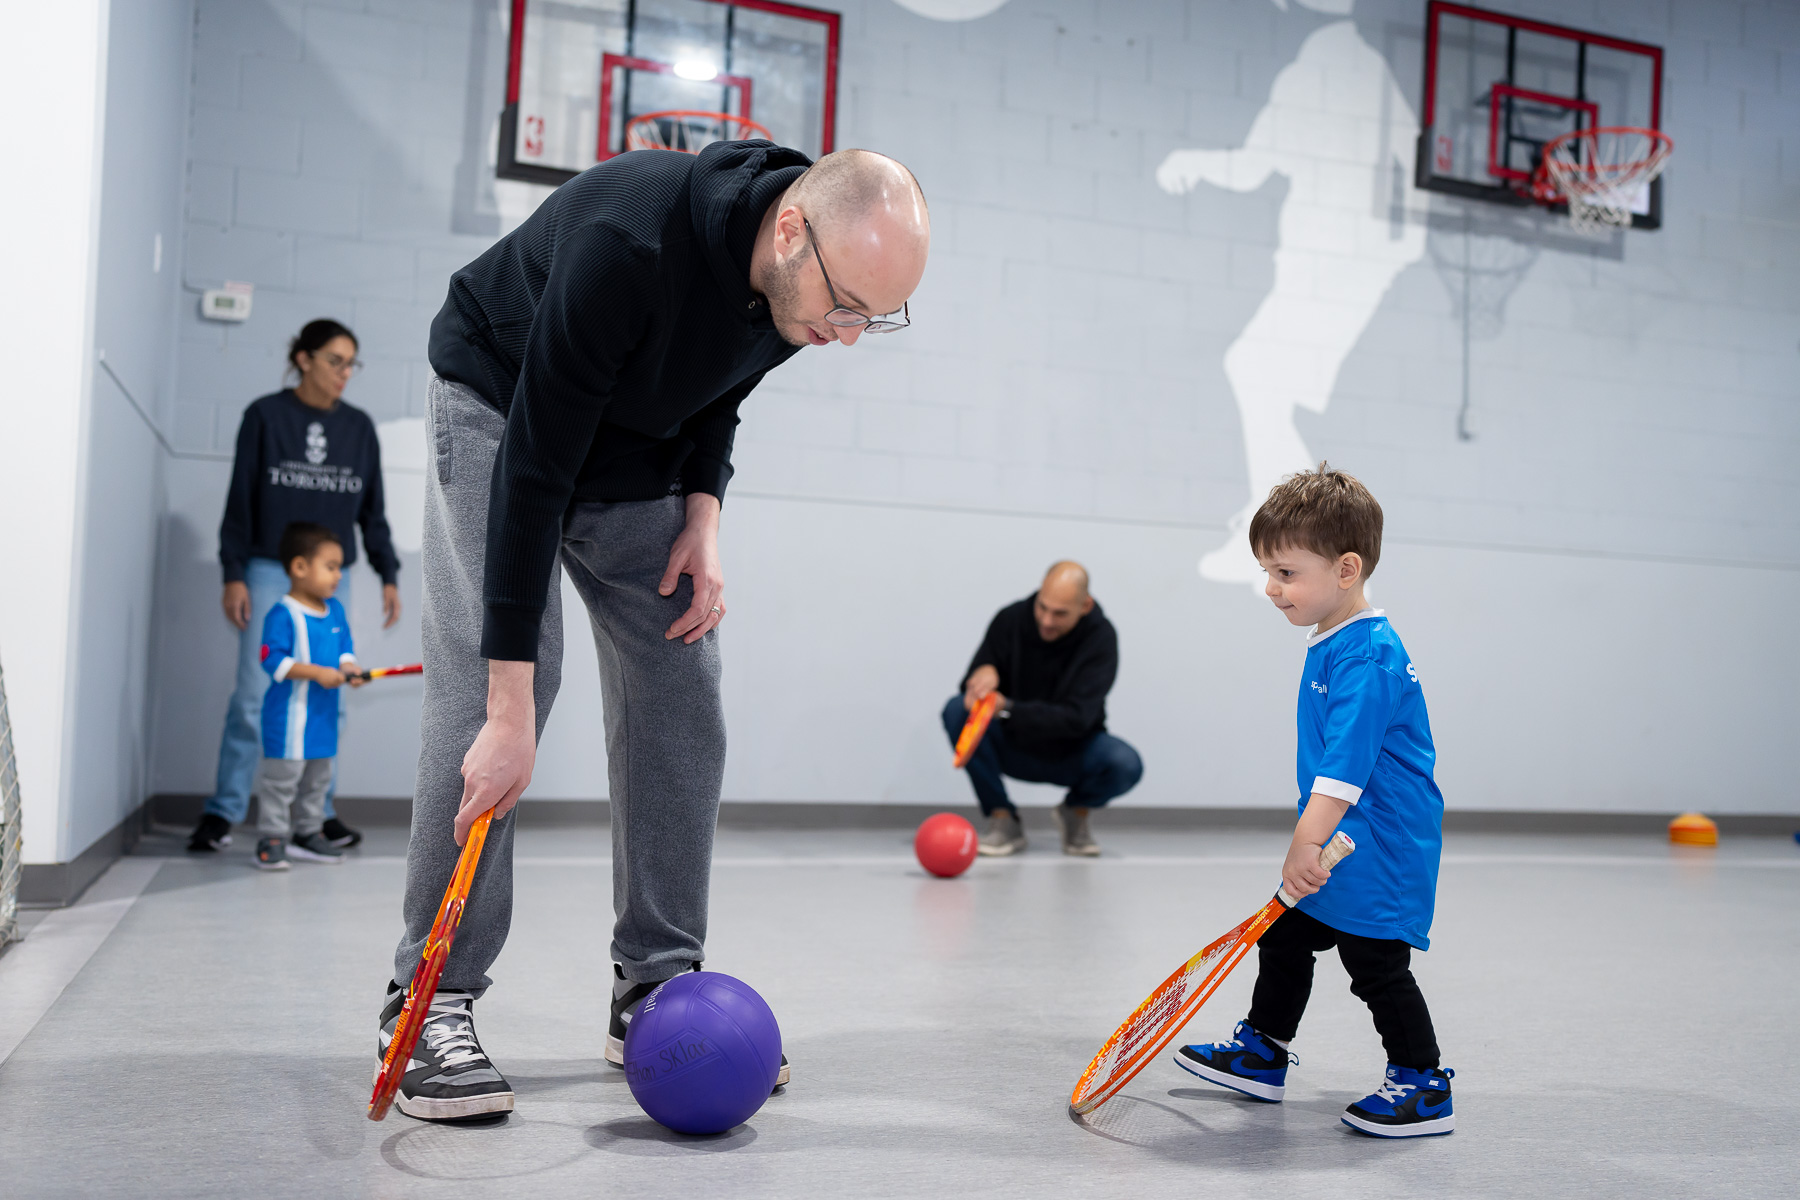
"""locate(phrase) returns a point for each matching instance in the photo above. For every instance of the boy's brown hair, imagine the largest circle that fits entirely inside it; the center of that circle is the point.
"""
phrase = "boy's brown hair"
(1324, 511)
(302, 539)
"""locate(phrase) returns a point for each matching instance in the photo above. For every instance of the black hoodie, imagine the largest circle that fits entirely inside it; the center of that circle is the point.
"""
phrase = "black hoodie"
(1058, 689)
(617, 332)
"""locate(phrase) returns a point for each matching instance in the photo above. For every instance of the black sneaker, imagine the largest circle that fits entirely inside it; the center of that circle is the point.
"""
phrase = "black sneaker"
(627, 997)
(341, 835)
(271, 855)
(212, 832)
(314, 847)
(449, 1077)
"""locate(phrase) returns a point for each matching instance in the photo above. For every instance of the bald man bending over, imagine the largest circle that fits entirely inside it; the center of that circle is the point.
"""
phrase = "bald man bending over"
(589, 372)
(1051, 658)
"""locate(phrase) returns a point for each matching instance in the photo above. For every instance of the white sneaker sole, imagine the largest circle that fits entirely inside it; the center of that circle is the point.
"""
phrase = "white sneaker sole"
(1010, 848)
(1271, 1093)
(305, 855)
(615, 1054)
(427, 1108)
(1429, 1128)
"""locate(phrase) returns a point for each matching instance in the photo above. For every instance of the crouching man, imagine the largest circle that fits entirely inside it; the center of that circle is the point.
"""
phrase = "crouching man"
(1050, 659)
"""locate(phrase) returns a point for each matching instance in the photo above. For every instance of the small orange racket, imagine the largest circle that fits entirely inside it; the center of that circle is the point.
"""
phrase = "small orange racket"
(973, 728)
(431, 968)
(1155, 1022)
(378, 672)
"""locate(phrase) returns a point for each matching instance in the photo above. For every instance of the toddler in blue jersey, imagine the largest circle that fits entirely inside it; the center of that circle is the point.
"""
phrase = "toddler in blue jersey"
(1364, 766)
(307, 651)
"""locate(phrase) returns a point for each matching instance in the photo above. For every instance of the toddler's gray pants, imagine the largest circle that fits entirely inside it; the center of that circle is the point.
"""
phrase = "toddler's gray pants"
(665, 726)
(301, 782)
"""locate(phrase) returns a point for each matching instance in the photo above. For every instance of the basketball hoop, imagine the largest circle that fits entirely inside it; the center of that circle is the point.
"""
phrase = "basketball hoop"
(689, 130)
(1602, 173)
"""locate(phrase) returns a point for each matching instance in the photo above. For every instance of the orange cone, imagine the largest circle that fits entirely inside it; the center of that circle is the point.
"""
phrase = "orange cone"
(1694, 829)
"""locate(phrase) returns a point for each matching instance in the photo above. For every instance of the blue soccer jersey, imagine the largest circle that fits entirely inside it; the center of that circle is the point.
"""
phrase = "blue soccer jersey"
(299, 718)
(1365, 738)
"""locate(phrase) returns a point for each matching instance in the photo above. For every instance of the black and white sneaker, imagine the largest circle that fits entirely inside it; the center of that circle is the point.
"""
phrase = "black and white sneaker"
(314, 847)
(449, 1077)
(212, 832)
(271, 855)
(627, 997)
(341, 835)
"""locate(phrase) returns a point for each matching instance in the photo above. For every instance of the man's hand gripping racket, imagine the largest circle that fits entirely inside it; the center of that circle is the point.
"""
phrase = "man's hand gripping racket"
(431, 968)
(1155, 1022)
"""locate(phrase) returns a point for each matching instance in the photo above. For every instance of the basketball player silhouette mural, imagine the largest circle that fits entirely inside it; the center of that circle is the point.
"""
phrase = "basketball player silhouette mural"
(1339, 129)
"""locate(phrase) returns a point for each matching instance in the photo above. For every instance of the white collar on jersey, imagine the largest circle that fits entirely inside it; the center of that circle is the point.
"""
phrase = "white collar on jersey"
(301, 606)
(1315, 638)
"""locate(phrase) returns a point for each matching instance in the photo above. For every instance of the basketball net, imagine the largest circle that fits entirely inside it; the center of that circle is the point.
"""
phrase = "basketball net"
(1601, 173)
(689, 130)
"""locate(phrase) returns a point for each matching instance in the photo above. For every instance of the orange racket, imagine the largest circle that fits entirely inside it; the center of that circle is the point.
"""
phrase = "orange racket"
(973, 728)
(431, 967)
(378, 672)
(1155, 1022)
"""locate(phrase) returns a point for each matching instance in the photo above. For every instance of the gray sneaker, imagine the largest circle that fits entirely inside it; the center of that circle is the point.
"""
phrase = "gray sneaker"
(314, 847)
(1004, 835)
(1075, 836)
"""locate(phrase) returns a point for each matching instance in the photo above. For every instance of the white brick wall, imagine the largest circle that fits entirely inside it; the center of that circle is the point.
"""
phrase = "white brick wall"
(1068, 338)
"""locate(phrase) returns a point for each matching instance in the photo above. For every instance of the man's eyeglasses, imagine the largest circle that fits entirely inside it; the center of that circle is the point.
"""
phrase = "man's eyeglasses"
(841, 315)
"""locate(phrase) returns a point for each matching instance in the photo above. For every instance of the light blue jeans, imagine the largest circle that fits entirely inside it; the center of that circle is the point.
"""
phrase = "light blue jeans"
(240, 750)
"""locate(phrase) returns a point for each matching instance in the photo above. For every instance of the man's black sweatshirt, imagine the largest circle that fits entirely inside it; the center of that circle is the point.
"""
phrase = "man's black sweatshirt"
(299, 463)
(617, 332)
(1057, 689)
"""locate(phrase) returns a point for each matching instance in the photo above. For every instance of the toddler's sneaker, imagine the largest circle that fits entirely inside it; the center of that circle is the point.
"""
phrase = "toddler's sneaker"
(271, 855)
(1408, 1103)
(315, 847)
(628, 997)
(1249, 1063)
(449, 1077)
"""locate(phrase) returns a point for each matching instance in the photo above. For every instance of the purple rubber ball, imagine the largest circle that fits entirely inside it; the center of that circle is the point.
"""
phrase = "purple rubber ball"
(702, 1053)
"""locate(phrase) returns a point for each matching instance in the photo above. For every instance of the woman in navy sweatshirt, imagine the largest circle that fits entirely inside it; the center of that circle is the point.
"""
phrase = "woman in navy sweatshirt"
(303, 454)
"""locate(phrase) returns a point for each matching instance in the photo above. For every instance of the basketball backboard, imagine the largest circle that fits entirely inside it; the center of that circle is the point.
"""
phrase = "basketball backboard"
(578, 70)
(1498, 87)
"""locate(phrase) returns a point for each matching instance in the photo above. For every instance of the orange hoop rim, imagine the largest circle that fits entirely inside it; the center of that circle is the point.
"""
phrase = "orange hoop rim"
(1562, 178)
(746, 128)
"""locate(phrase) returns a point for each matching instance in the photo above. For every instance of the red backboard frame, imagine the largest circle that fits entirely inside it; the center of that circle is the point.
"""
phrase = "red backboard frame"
(510, 168)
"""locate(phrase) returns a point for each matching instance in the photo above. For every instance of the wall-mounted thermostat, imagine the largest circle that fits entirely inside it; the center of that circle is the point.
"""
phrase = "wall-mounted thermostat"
(229, 303)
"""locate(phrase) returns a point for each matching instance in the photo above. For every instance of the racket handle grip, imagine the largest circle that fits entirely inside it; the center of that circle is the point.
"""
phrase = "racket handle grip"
(1331, 854)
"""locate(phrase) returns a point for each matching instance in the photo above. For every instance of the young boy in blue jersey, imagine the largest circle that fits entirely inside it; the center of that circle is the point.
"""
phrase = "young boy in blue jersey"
(307, 651)
(1364, 766)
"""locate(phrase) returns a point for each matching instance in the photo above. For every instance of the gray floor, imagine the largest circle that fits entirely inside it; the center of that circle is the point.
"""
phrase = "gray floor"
(1621, 1017)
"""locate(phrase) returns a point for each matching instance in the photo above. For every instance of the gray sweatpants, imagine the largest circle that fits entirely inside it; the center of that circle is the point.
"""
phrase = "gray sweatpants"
(301, 782)
(665, 726)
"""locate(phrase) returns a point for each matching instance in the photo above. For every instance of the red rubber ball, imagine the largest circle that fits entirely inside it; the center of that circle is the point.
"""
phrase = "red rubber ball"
(945, 845)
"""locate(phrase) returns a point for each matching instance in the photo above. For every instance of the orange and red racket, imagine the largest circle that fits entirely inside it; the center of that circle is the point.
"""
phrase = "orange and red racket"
(1155, 1022)
(973, 728)
(431, 968)
(379, 672)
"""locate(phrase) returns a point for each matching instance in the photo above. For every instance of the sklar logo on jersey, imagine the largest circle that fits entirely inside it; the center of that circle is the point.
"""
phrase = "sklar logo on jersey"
(1318, 687)
(315, 443)
(1412, 672)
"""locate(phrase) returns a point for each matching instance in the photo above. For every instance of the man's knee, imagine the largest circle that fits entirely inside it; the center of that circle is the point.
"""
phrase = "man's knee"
(1120, 765)
(955, 715)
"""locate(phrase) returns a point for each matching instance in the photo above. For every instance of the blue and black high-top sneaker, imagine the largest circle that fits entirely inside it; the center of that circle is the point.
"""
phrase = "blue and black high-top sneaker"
(1408, 1103)
(1249, 1063)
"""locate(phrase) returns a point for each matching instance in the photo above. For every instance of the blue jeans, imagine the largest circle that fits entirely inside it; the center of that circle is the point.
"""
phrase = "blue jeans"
(240, 749)
(1102, 768)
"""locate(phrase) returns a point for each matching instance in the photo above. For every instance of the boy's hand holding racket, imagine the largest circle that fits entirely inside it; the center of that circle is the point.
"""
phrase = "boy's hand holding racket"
(1304, 872)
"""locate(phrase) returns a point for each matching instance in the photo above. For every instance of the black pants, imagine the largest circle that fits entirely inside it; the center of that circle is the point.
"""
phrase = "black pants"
(1380, 976)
